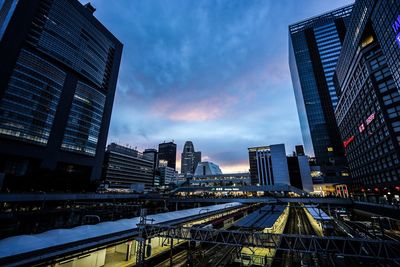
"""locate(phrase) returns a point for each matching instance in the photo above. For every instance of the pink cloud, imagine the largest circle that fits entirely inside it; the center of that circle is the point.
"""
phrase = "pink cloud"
(213, 107)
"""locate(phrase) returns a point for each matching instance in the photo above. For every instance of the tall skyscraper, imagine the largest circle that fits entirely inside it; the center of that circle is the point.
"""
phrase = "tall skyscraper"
(189, 159)
(368, 112)
(314, 47)
(58, 72)
(167, 152)
(268, 165)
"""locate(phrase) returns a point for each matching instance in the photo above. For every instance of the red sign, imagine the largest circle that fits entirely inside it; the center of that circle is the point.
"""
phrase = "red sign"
(361, 128)
(348, 141)
(370, 118)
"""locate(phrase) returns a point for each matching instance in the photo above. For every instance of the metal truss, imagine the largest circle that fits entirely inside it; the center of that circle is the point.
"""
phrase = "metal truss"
(336, 246)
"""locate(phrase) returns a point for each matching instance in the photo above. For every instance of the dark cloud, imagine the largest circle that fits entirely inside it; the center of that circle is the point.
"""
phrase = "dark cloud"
(214, 72)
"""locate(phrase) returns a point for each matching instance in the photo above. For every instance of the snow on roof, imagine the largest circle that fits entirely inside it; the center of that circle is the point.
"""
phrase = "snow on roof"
(26, 243)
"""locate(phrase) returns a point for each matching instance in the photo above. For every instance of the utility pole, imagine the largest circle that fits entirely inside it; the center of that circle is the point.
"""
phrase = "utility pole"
(141, 239)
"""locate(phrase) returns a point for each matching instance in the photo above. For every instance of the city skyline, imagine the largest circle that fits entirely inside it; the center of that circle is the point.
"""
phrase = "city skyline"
(198, 71)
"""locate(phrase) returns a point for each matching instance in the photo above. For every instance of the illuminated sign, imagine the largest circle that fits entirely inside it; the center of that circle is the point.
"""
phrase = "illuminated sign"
(225, 189)
(370, 118)
(348, 141)
(330, 149)
(361, 128)
(396, 28)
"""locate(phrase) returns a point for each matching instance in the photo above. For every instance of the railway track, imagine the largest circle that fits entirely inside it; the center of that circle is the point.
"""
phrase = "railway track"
(297, 223)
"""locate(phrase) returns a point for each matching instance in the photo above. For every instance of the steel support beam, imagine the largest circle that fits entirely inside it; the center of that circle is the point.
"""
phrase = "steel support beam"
(338, 246)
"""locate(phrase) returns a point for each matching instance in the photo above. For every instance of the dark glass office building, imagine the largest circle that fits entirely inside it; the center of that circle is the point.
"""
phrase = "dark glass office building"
(368, 112)
(314, 47)
(58, 73)
(167, 152)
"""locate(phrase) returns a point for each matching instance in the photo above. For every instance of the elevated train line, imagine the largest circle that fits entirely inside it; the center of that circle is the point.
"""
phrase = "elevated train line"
(387, 251)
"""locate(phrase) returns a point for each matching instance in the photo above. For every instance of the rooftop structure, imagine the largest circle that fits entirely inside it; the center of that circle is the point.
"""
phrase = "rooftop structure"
(207, 168)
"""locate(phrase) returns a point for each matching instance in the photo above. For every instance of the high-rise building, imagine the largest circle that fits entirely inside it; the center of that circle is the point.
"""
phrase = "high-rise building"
(166, 175)
(300, 172)
(167, 152)
(124, 167)
(314, 47)
(268, 165)
(189, 159)
(152, 154)
(368, 112)
(58, 72)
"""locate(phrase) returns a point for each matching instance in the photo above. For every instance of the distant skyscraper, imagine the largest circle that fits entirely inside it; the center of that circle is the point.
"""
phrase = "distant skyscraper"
(58, 72)
(152, 154)
(368, 112)
(268, 165)
(167, 152)
(189, 159)
(124, 167)
(314, 47)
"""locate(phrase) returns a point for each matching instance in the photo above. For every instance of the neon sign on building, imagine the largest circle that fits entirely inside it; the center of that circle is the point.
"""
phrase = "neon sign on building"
(370, 118)
(347, 142)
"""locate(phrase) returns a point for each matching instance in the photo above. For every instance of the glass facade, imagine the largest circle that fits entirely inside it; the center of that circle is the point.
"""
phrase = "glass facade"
(84, 121)
(329, 46)
(307, 87)
(62, 32)
(384, 16)
(368, 112)
(314, 48)
(7, 8)
(30, 101)
(59, 69)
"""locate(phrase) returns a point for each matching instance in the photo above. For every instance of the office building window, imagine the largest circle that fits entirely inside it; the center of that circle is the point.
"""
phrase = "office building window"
(84, 122)
(30, 101)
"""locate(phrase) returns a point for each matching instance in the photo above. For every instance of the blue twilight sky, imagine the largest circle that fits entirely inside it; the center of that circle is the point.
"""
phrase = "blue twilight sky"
(214, 72)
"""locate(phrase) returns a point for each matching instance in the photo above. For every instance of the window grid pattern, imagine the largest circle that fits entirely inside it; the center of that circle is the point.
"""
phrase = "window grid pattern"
(383, 16)
(62, 32)
(84, 121)
(329, 45)
(28, 107)
(372, 156)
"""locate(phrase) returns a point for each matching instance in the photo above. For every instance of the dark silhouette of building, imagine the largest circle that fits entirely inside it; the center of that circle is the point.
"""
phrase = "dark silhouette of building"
(189, 159)
(300, 173)
(368, 112)
(299, 150)
(152, 154)
(314, 47)
(58, 72)
(167, 152)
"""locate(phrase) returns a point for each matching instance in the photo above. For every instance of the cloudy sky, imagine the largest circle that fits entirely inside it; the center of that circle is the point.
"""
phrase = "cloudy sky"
(214, 72)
